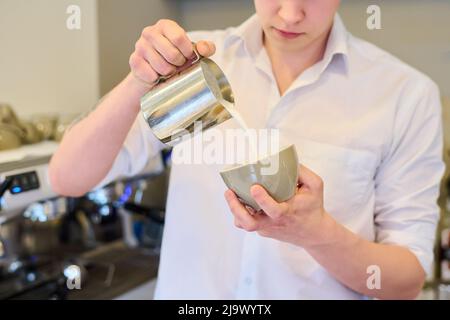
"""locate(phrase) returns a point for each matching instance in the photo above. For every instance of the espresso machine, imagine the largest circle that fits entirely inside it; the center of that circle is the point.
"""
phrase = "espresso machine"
(108, 239)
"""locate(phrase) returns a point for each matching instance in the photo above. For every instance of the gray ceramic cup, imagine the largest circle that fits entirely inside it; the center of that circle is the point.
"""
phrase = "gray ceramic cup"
(281, 184)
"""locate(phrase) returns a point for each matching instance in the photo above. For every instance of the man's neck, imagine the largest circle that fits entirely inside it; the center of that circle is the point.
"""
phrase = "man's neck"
(288, 65)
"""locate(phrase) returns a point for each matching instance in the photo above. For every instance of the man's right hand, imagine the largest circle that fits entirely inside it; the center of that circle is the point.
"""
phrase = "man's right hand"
(162, 48)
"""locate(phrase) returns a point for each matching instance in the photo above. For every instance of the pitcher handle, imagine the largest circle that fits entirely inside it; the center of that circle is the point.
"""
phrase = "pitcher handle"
(188, 64)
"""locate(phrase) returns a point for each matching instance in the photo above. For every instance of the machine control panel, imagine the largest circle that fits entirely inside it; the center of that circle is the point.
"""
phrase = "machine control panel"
(23, 182)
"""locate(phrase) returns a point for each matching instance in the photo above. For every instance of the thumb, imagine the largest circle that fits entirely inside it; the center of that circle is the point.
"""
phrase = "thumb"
(205, 48)
(308, 179)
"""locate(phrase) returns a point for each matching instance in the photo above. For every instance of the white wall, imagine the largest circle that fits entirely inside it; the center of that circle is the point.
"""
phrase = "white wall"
(213, 14)
(44, 67)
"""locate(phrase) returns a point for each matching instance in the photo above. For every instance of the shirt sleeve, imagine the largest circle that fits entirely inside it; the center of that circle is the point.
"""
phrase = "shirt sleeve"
(140, 147)
(408, 179)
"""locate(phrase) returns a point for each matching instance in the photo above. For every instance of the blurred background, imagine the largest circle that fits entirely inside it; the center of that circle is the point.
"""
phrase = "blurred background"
(50, 74)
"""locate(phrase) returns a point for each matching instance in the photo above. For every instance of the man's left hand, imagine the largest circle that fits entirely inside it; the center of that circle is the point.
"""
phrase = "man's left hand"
(298, 221)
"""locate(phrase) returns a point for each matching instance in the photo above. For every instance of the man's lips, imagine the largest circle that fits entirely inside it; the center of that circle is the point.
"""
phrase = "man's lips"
(287, 34)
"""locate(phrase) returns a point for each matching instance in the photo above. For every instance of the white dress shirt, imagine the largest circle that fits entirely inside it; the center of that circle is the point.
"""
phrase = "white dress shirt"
(365, 122)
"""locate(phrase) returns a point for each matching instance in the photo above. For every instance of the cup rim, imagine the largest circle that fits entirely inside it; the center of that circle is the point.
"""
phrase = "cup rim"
(238, 166)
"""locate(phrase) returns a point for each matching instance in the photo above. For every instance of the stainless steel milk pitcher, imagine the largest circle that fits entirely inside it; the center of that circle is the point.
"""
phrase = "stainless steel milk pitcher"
(198, 91)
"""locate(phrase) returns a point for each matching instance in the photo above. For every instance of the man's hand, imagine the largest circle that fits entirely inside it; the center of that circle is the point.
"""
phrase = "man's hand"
(162, 48)
(298, 221)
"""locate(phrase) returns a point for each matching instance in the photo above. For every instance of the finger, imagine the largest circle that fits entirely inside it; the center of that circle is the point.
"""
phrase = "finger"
(168, 51)
(142, 70)
(250, 209)
(156, 61)
(205, 48)
(263, 221)
(271, 207)
(242, 216)
(177, 36)
(309, 179)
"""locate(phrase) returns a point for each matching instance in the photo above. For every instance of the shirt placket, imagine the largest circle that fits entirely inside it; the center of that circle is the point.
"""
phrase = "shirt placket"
(249, 261)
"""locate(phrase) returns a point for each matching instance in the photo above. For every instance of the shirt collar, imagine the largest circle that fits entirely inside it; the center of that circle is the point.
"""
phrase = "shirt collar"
(249, 33)
(337, 42)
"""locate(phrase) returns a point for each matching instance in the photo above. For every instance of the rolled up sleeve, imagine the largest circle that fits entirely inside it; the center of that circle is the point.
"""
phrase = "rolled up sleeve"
(408, 179)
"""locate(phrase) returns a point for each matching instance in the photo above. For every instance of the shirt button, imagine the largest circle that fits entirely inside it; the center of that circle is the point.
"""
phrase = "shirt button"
(248, 281)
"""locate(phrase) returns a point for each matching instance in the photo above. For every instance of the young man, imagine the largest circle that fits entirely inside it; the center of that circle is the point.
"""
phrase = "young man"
(368, 131)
